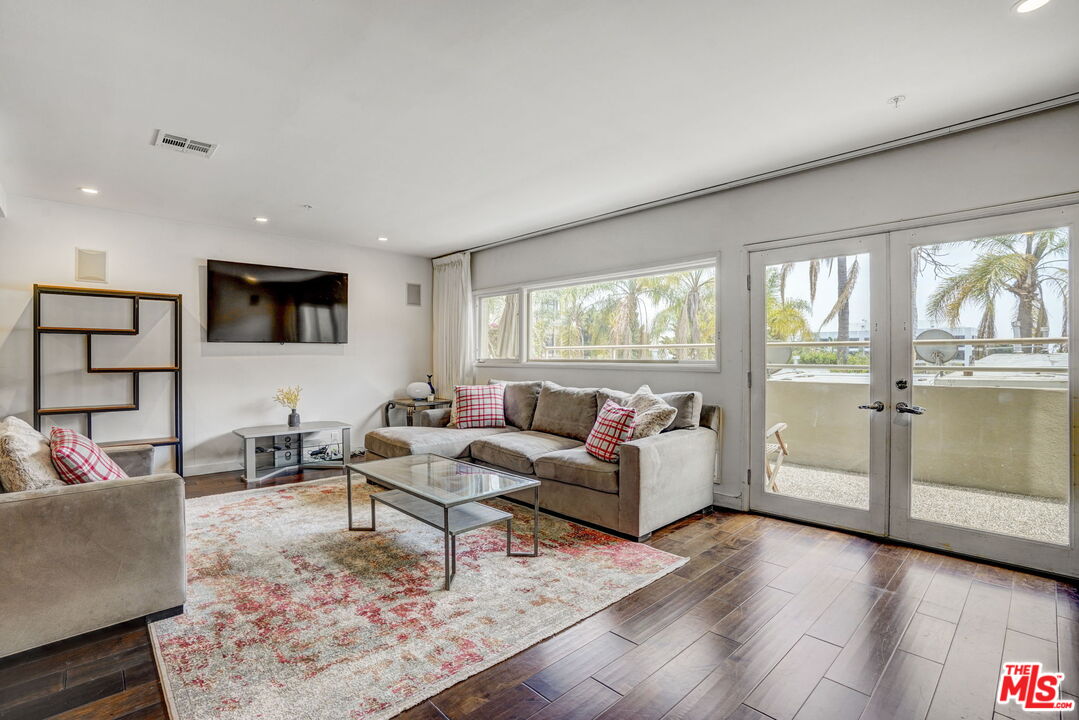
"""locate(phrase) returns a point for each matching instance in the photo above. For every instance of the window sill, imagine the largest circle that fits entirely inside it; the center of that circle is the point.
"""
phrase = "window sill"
(706, 367)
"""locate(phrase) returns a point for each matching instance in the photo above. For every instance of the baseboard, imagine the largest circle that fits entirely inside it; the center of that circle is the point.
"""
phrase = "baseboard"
(726, 502)
(210, 468)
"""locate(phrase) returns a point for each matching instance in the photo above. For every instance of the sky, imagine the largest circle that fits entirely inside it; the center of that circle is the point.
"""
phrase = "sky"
(958, 254)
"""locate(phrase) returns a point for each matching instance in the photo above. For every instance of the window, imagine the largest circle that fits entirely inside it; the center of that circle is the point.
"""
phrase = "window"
(663, 317)
(498, 327)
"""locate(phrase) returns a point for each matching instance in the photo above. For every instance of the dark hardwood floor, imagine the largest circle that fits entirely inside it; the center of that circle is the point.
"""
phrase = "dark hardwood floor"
(768, 619)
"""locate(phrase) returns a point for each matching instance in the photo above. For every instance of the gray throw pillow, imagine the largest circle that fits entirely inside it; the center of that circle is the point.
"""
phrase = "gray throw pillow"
(653, 415)
(520, 401)
(688, 404)
(605, 394)
(569, 412)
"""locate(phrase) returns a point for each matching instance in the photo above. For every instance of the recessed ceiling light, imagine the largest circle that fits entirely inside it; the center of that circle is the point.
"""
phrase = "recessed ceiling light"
(1025, 6)
(262, 219)
(383, 239)
(89, 190)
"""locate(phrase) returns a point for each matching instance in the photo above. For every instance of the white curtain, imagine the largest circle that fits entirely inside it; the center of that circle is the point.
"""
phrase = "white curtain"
(452, 322)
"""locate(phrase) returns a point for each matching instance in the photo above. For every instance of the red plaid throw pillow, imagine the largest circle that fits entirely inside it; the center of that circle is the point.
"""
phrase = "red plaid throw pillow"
(79, 459)
(614, 426)
(479, 406)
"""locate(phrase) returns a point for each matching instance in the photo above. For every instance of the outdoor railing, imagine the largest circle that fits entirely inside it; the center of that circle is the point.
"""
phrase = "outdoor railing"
(627, 350)
(983, 342)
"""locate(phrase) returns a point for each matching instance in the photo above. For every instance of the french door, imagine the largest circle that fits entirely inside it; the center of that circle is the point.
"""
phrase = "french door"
(821, 446)
(919, 385)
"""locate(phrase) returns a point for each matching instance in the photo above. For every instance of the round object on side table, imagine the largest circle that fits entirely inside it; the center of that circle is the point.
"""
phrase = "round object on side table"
(418, 390)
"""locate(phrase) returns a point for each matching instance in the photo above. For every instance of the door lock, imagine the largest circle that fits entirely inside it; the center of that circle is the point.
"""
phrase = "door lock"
(901, 384)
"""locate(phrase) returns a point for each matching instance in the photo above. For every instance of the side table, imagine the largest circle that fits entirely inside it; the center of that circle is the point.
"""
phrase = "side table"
(411, 406)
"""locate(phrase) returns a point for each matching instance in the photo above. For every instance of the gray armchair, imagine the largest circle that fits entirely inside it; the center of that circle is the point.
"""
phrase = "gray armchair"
(82, 557)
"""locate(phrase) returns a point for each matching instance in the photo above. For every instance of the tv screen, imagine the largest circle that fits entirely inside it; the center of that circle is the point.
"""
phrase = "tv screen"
(263, 303)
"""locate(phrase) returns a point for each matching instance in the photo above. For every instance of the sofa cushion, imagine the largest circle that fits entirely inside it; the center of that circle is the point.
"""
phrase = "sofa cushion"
(448, 442)
(80, 460)
(688, 403)
(25, 458)
(576, 467)
(478, 406)
(517, 451)
(653, 415)
(569, 412)
(605, 394)
(520, 401)
(614, 426)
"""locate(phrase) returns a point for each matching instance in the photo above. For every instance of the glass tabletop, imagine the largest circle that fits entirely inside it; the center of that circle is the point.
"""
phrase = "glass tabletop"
(442, 480)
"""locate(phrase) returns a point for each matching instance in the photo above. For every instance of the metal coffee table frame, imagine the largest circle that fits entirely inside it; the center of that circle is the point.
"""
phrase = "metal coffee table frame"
(455, 517)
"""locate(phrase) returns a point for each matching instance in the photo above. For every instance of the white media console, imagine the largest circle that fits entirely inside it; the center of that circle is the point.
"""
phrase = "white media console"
(273, 449)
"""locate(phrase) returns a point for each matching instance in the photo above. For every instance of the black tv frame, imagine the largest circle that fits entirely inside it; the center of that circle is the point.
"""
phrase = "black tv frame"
(209, 313)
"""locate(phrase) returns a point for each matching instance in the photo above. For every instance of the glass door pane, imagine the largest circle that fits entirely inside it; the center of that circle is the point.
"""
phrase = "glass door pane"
(989, 364)
(819, 388)
(817, 375)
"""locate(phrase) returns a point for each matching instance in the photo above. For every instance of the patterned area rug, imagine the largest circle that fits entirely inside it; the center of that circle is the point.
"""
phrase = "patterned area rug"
(291, 616)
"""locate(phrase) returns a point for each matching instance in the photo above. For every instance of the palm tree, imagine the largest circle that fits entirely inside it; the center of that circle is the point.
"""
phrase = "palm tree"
(922, 257)
(624, 305)
(845, 282)
(785, 320)
(687, 296)
(574, 316)
(1024, 265)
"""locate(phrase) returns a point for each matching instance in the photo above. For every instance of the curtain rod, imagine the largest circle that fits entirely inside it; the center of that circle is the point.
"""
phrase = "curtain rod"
(977, 122)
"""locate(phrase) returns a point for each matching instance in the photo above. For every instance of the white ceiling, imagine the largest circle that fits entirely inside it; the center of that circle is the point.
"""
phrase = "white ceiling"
(448, 124)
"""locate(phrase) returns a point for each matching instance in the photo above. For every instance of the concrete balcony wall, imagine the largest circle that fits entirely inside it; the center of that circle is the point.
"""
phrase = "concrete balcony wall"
(1006, 439)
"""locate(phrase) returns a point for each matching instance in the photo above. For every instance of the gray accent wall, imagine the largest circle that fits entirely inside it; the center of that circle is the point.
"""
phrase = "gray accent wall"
(1009, 162)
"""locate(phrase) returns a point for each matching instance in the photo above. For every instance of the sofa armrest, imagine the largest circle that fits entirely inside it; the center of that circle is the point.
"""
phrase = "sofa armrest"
(665, 477)
(439, 417)
(82, 557)
(135, 460)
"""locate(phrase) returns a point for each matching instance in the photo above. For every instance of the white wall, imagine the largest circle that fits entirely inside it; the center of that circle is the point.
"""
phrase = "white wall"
(225, 385)
(1022, 159)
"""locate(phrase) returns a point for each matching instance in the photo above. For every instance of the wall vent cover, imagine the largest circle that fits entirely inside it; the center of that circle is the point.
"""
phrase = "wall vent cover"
(183, 144)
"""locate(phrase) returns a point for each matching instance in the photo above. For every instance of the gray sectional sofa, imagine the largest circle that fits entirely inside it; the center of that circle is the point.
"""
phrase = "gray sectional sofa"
(657, 480)
(78, 558)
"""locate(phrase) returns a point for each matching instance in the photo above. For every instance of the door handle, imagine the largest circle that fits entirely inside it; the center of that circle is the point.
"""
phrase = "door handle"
(877, 406)
(902, 407)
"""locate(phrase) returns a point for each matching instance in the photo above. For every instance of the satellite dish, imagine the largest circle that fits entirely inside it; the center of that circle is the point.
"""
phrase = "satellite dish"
(936, 354)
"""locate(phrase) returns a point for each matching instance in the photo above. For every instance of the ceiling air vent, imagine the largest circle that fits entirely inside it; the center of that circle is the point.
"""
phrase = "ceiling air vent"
(179, 143)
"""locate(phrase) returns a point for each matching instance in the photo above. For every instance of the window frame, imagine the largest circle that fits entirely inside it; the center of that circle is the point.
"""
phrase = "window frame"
(524, 343)
(478, 337)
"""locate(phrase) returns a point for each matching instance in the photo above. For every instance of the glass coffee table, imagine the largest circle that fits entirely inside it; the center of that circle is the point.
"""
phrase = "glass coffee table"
(445, 494)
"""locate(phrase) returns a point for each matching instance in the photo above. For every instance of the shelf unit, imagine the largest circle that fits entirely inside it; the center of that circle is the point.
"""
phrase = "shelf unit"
(176, 440)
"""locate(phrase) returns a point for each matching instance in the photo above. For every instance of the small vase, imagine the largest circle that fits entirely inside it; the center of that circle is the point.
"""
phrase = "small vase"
(294, 419)
(430, 385)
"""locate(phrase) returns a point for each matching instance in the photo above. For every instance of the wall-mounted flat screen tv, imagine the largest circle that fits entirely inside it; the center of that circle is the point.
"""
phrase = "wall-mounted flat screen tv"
(263, 303)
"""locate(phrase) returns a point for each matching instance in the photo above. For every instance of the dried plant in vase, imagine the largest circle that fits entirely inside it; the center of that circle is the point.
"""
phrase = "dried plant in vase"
(289, 397)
